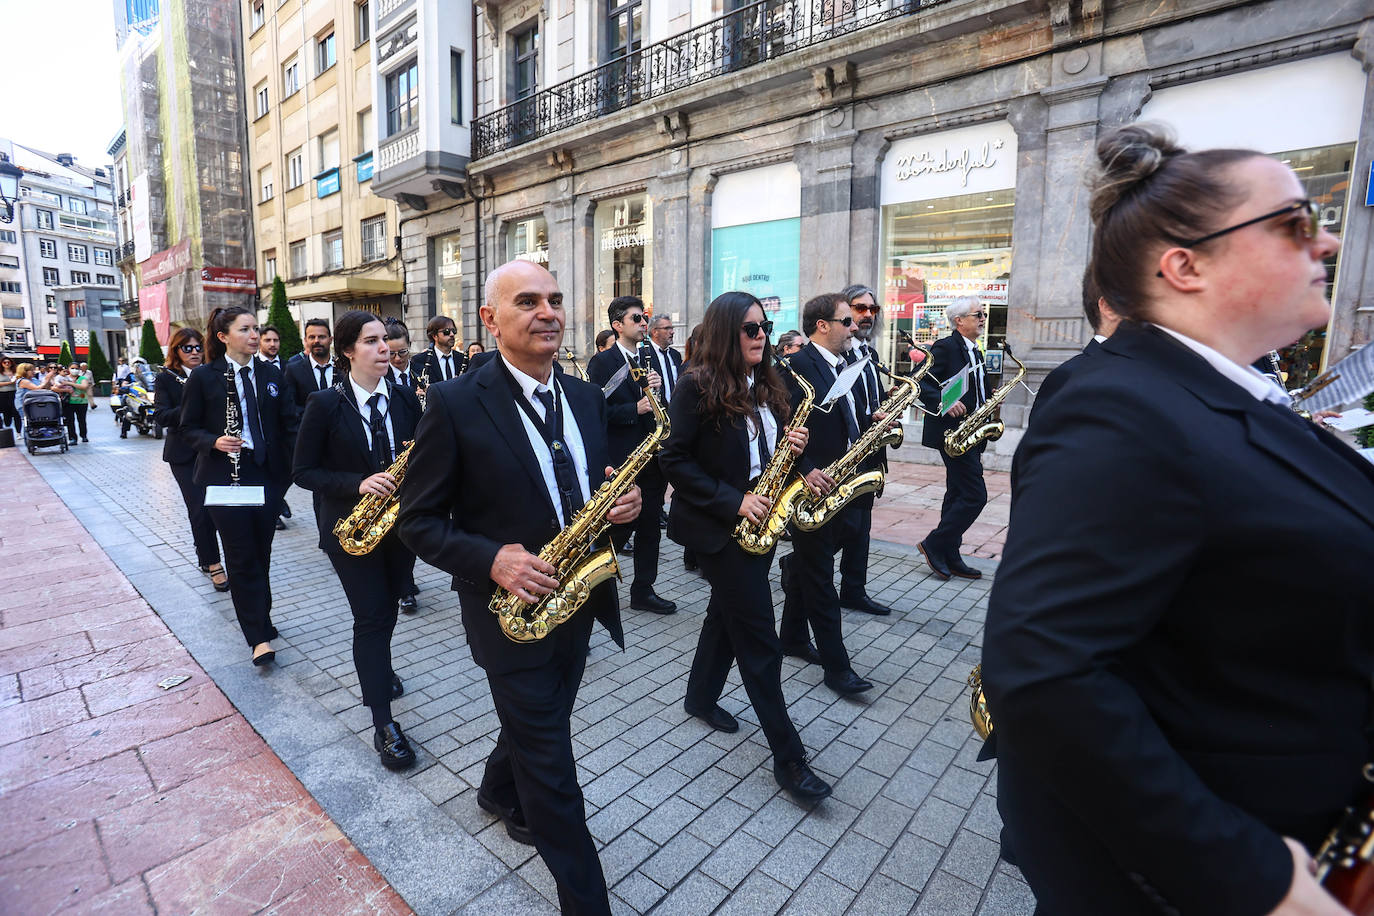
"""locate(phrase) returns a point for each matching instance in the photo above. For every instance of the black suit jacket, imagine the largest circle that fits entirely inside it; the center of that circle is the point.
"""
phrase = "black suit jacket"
(333, 455)
(673, 357)
(1173, 685)
(167, 393)
(202, 421)
(707, 462)
(828, 432)
(473, 485)
(426, 363)
(394, 377)
(626, 426)
(1059, 375)
(949, 356)
(302, 380)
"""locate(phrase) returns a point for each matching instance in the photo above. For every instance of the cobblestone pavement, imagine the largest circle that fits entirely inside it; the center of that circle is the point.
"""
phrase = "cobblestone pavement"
(688, 820)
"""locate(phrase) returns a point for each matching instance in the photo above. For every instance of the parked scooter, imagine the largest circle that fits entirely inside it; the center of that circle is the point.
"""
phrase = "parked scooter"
(132, 403)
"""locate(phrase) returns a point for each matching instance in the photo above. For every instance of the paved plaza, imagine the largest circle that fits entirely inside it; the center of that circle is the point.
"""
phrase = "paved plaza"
(687, 820)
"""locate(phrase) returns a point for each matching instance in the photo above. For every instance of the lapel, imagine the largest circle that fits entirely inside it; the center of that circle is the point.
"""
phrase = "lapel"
(629, 384)
(1270, 433)
(494, 395)
(352, 417)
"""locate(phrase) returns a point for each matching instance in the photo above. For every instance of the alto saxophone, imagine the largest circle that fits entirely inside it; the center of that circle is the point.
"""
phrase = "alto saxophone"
(362, 530)
(981, 425)
(580, 563)
(850, 481)
(762, 537)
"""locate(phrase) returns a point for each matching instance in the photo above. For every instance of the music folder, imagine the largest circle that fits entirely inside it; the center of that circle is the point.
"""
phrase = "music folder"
(235, 495)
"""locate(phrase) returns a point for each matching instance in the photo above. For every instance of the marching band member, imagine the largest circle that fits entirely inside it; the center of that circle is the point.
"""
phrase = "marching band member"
(442, 361)
(268, 419)
(398, 342)
(728, 416)
(349, 436)
(504, 458)
(185, 352)
(1179, 644)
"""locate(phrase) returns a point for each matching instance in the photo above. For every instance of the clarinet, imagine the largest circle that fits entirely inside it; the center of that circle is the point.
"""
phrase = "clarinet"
(233, 421)
(646, 364)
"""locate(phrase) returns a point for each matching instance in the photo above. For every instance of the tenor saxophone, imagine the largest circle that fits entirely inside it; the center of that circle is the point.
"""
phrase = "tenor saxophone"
(850, 480)
(762, 537)
(362, 530)
(981, 425)
(579, 560)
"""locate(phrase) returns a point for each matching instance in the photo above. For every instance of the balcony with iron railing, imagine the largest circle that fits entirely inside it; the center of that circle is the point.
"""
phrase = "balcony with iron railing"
(743, 38)
(128, 310)
(125, 251)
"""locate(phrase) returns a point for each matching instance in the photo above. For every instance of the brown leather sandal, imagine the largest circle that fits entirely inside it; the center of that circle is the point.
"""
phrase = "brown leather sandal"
(219, 578)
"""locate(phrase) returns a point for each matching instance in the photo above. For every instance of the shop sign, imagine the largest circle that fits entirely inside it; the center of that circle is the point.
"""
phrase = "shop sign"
(327, 183)
(364, 167)
(229, 279)
(537, 256)
(946, 290)
(624, 237)
(967, 160)
(166, 264)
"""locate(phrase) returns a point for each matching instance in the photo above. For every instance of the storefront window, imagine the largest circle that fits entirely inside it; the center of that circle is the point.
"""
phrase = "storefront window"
(448, 277)
(528, 240)
(935, 251)
(624, 251)
(763, 259)
(1325, 175)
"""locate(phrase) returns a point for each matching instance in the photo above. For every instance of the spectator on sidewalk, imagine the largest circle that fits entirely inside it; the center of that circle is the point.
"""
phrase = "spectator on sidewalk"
(9, 380)
(79, 401)
(123, 370)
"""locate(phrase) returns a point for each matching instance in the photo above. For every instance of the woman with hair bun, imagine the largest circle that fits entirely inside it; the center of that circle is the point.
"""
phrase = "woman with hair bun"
(1182, 708)
(350, 435)
(268, 424)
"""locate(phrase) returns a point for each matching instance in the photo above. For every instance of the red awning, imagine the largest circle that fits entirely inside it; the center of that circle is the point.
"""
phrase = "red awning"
(57, 351)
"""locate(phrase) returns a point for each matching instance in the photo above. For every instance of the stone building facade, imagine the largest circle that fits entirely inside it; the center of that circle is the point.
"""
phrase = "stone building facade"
(927, 149)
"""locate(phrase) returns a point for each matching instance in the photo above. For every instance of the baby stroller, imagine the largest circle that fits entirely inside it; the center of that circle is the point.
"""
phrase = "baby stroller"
(43, 421)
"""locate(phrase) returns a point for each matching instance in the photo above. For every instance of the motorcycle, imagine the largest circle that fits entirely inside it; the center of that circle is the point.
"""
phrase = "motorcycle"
(132, 406)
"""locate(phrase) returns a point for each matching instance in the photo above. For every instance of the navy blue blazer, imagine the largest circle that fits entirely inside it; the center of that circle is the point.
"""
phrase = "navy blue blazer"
(202, 421)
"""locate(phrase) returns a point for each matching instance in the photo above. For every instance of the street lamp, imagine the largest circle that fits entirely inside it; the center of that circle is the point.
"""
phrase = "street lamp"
(9, 187)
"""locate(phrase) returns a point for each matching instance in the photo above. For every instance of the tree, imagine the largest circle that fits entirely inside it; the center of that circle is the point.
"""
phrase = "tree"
(1366, 436)
(279, 316)
(100, 366)
(65, 357)
(149, 348)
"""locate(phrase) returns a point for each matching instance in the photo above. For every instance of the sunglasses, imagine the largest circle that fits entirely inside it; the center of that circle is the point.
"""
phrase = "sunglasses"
(1304, 230)
(190, 348)
(447, 332)
(865, 309)
(752, 328)
(847, 321)
(637, 318)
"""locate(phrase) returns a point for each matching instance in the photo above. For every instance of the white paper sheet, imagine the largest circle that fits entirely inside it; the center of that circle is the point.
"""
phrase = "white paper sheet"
(844, 381)
(1355, 418)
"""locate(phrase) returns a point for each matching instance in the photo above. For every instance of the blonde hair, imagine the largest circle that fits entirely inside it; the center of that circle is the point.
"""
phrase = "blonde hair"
(22, 370)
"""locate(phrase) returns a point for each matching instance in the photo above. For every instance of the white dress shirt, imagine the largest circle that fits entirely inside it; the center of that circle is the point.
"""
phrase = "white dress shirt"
(274, 360)
(247, 433)
(976, 373)
(572, 436)
(833, 361)
(770, 432)
(447, 364)
(665, 361)
(1256, 383)
(384, 405)
(315, 368)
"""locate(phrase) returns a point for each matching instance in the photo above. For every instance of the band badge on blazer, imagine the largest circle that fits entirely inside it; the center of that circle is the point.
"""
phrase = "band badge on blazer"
(271, 389)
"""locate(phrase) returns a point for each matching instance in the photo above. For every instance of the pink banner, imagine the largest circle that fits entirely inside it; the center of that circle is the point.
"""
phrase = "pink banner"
(166, 264)
(152, 305)
(229, 279)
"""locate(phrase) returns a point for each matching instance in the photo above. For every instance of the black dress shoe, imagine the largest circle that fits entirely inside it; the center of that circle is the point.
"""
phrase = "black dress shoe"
(281, 525)
(866, 604)
(663, 518)
(398, 689)
(513, 818)
(847, 684)
(285, 510)
(651, 602)
(798, 779)
(392, 746)
(962, 569)
(408, 605)
(689, 562)
(936, 564)
(806, 653)
(716, 717)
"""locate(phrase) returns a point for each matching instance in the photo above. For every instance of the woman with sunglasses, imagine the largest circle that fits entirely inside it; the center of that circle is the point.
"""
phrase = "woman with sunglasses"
(729, 414)
(1179, 642)
(349, 436)
(267, 420)
(185, 353)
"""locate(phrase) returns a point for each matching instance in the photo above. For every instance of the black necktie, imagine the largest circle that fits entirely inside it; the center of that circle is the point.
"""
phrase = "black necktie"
(765, 451)
(871, 387)
(850, 424)
(448, 366)
(323, 382)
(851, 357)
(381, 445)
(405, 381)
(668, 380)
(564, 471)
(250, 399)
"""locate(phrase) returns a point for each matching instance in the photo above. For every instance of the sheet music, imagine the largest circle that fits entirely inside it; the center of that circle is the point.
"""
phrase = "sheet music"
(1356, 380)
(844, 381)
(1357, 418)
(614, 381)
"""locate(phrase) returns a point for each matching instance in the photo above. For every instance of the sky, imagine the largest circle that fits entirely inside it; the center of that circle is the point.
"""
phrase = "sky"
(59, 82)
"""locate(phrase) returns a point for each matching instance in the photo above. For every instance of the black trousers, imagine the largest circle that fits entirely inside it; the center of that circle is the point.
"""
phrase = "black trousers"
(652, 487)
(532, 766)
(202, 525)
(810, 596)
(373, 584)
(246, 533)
(854, 547)
(9, 414)
(965, 497)
(739, 628)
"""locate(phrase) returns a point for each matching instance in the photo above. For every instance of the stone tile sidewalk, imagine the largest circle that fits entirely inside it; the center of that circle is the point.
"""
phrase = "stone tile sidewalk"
(910, 507)
(122, 794)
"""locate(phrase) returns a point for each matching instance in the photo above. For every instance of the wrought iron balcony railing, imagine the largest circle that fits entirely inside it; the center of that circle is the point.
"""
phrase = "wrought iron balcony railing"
(126, 250)
(740, 39)
(128, 310)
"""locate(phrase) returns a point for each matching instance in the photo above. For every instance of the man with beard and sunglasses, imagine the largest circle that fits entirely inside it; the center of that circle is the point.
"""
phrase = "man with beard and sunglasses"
(808, 573)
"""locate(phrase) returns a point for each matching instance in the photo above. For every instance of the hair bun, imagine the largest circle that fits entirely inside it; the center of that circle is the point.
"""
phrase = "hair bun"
(1127, 157)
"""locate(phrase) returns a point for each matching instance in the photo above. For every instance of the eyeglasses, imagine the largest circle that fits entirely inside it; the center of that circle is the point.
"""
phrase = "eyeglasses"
(847, 321)
(1304, 231)
(190, 348)
(866, 309)
(395, 352)
(447, 332)
(978, 315)
(752, 328)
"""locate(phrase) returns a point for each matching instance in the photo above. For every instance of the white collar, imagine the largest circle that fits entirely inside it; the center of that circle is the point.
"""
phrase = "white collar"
(528, 383)
(442, 355)
(971, 345)
(1256, 384)
(831, 359)
(314, 365)
(362, 395)
(629, 354)
(1100, 338)
(248, 365)
(661, 351)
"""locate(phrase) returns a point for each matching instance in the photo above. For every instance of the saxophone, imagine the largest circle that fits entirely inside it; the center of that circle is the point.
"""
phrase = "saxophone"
(580, 562)
(362, 530)
(978, 704)
(762, 537)
(850, 482)
(980, 425)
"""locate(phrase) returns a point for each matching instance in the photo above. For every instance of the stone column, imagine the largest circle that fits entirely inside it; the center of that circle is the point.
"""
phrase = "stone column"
(697, 255)
(825, 164)
(672, 216)
(1352, 322)
(558, 215)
